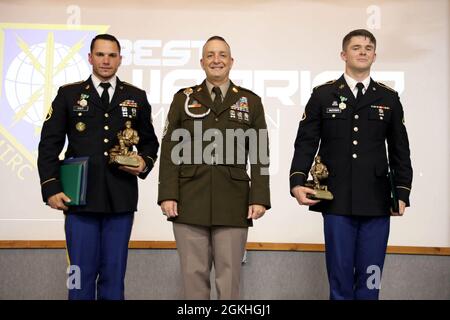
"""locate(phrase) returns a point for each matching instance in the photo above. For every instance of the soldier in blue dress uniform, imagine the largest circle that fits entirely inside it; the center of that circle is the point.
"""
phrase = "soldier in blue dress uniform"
(91, 113)
(352, 118)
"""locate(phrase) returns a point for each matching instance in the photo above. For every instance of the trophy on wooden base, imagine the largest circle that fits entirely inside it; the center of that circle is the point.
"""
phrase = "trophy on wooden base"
(319, 172)
(123, 153)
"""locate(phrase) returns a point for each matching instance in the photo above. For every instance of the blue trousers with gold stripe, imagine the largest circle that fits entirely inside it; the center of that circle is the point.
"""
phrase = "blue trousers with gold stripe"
(97, 244)
(355, 250)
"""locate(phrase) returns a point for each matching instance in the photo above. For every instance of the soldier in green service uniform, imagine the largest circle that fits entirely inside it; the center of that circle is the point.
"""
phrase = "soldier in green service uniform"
(213, 131)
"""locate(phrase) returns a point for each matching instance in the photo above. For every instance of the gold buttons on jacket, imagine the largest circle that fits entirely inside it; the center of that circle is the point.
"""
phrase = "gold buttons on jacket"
(106, 127)
(106, 140)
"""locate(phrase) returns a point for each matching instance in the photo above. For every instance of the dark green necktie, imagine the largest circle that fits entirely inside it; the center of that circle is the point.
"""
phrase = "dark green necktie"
(218, 98)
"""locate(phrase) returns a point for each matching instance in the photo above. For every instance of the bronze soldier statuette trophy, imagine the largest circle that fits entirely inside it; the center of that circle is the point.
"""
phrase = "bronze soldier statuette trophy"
(319, 172)
(123, 153)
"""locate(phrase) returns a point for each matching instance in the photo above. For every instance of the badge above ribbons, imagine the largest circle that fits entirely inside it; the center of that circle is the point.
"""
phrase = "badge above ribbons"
(240, 110)
(129, 108)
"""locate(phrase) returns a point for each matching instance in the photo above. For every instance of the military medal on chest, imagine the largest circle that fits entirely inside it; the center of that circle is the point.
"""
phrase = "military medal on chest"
(342, 104)
(83, 100)
(82, 104)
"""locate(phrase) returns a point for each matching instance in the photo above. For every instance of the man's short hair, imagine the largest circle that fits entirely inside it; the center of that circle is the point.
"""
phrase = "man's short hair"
(216, 38)
(358, 33)
(105, 36)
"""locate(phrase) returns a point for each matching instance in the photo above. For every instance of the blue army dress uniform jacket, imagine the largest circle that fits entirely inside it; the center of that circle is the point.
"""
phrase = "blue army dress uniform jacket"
(216, 191)
(92, 131)
(352, 140)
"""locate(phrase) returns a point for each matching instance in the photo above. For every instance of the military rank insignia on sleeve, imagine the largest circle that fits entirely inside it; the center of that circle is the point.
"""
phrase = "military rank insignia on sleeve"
(49, 114)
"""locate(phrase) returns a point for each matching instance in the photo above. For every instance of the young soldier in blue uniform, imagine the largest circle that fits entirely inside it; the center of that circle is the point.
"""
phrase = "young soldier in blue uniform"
(91, 113)
(352, 118)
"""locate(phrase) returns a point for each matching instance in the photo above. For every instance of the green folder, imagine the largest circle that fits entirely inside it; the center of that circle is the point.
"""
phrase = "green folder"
(73, 176)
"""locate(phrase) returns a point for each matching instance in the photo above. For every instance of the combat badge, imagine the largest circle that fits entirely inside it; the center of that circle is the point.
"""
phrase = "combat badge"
(243, 104)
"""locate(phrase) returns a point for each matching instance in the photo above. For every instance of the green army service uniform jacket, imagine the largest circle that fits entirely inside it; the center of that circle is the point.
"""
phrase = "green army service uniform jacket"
(205, 172)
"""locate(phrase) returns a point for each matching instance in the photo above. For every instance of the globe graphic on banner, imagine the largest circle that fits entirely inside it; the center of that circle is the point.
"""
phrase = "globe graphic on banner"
(23, 80)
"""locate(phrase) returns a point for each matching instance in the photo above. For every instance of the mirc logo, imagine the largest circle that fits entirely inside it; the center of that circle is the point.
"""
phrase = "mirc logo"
(35, 60)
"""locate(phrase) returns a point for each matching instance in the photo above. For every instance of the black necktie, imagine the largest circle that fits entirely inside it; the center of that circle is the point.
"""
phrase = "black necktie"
(105, 94)
(218, 98)
(359, 95)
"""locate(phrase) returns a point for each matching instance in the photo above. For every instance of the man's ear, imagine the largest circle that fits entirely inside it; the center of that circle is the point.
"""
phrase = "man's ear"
(343, 56)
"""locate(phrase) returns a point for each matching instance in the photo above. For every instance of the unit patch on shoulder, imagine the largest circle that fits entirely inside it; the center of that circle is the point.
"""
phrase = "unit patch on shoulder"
(49, 114)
